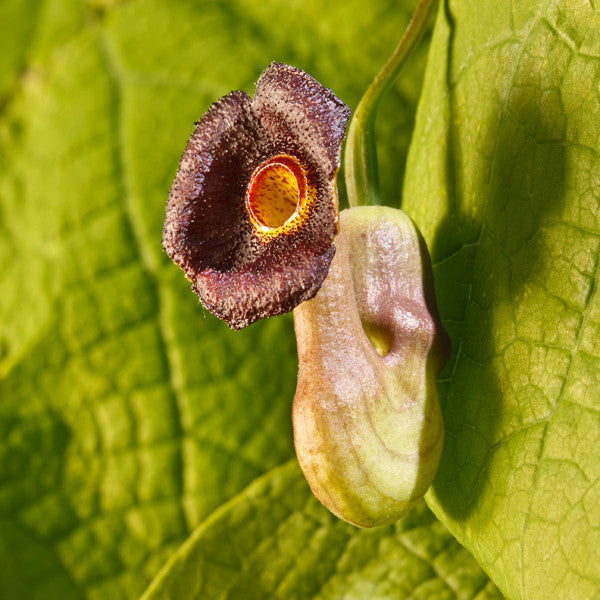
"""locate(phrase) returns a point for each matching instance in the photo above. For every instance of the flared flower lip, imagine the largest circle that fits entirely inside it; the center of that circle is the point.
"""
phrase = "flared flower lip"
(252, 213)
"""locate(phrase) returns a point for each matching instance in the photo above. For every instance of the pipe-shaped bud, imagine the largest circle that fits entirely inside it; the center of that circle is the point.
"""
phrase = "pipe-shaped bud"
(368, 428)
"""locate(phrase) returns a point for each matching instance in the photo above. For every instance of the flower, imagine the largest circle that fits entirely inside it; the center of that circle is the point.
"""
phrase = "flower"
(252, 212)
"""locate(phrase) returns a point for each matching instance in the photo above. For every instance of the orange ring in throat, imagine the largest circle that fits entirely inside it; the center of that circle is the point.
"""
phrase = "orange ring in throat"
(277, 194)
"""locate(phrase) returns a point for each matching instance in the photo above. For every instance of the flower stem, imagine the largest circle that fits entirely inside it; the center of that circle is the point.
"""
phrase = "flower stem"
(362, 181)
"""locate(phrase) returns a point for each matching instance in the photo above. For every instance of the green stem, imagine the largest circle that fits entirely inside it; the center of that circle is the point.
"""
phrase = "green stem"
(362, 181)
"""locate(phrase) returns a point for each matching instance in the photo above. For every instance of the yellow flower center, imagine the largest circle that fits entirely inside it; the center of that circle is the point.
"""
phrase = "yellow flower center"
(277, 195)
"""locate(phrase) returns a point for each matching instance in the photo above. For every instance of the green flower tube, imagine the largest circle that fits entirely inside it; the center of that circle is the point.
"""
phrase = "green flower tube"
(368, 428)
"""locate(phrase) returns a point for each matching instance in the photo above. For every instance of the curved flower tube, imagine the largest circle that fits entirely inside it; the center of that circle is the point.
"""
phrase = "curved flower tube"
(368, 428)
(252, 213)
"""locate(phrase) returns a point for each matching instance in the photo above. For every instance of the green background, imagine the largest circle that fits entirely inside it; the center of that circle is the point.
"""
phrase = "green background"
(128, 415)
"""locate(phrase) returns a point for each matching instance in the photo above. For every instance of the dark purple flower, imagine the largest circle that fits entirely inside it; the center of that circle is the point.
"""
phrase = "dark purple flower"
(252, 213)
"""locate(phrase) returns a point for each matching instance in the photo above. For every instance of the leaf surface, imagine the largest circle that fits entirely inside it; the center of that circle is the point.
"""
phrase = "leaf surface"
(127, 414)
(504, 179)
(277, 522)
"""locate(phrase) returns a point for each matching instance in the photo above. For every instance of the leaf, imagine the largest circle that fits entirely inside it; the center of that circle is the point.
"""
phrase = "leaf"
(127, 415)
(504, 179)
(277, 522)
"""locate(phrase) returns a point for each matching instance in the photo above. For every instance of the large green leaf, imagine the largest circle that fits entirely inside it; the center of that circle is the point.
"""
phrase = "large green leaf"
(276, 541)
(504, 179)
(127, 415)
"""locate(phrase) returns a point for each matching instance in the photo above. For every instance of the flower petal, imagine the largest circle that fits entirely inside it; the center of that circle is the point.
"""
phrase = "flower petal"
(252, 212)
(207, 194)
(294, 104)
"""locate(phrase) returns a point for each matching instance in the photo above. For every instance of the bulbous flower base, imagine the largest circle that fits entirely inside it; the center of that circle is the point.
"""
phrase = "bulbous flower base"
(368, 428)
